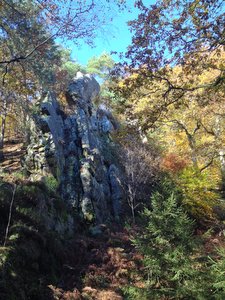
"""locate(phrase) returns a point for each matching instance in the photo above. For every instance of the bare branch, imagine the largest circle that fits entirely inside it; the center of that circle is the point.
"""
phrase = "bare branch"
(10, 215)
(208, 164)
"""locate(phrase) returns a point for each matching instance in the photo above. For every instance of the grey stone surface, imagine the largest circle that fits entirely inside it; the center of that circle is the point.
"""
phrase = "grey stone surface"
(116, 192)
(72, 147)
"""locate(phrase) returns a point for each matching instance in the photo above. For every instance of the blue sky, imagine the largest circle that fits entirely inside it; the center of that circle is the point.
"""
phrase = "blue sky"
(117, 39)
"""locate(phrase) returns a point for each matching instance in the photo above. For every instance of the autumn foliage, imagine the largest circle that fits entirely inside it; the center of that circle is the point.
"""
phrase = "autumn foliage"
(173, 163)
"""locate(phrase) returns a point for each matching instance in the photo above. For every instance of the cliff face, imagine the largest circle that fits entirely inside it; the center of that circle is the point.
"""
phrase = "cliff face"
(75, 146)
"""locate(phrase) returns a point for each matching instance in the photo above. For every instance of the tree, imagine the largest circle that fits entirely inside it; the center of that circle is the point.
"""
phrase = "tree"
(72, 67)
(166, 242)
(101, 65)
(189, 130)
(22, 25)
(19, 88)
(23, 36)
(7, 98)
(14, 109)
(217, 274)
(97, 65)
(194, 117)
(140, 164)
(177, 33)
(3, 114)
(172, 32)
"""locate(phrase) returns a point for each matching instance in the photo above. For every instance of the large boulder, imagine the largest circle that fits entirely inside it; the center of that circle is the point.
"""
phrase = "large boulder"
(88, 181)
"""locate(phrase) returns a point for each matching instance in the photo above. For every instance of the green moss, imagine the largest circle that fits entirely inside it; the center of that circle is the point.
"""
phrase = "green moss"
(51, 183)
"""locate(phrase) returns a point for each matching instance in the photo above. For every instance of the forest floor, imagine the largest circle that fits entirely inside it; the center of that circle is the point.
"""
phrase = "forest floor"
(100, 267)
(13, 151)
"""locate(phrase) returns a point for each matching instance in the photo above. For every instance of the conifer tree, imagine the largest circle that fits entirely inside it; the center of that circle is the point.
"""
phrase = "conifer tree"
(167, 245)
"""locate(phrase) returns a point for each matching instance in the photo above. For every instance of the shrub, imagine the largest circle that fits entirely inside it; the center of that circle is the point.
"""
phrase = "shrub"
(140, 165)
(167, 245)
(173, 163)
(199, 194)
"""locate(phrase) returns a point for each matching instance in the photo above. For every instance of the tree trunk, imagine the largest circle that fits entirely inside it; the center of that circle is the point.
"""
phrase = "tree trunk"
(2, 136)
(222, 167)
(192, 145)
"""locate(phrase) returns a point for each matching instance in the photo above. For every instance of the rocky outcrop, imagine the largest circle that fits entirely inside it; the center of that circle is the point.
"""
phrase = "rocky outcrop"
(74, 146)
